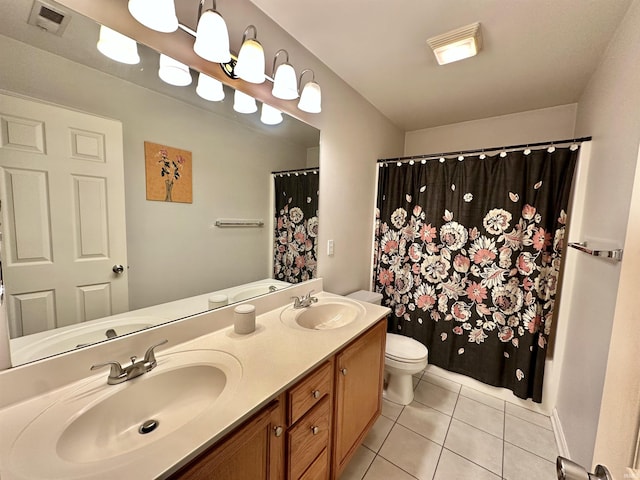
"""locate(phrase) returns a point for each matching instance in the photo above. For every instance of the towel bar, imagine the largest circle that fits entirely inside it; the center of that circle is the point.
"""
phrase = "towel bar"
(615, 254)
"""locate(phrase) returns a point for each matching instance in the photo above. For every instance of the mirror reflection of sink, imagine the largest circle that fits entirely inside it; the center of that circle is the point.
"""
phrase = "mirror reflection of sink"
(255, 291)
(80, 335)
(326, 314)
(99, 422)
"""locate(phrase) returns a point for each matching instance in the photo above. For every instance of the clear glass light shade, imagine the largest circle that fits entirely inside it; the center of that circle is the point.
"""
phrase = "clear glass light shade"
(285, 83)
(174, 72)
(212, 38)
(456, 51)
(118, 47)
(311, 98)
(270, 115)
(250, 66)
(243, 103)
(209, 88)
(158, 15)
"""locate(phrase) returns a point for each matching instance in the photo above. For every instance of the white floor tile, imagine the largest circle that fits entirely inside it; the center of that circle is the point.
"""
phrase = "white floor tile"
(529, 416)
(441, 382)
(482, 397)
(522, 465)
(455, 467)
(475, 445)
(391, 410)
(381, 469)
(530, 437)
(358, 465)
(378, 433)
(426, 421)
(411, 452)
(415, 380)
(480, 416)
(436, 397)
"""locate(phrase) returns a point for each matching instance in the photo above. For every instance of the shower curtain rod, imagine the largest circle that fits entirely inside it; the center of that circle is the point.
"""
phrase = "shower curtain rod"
(484, 150)
(298, 170)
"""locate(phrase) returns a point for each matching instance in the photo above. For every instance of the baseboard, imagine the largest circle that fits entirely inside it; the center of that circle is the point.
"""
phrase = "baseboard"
(561, 441)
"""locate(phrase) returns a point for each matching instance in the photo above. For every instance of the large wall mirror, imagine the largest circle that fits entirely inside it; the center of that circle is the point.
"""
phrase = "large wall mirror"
(173, 253)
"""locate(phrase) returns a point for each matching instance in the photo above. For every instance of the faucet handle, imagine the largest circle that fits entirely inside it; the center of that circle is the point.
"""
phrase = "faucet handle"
(149, 356)
(308, 295)
(116, 368)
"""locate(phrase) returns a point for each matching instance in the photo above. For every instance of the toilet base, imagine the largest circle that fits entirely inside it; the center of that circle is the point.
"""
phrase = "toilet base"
(399, 388)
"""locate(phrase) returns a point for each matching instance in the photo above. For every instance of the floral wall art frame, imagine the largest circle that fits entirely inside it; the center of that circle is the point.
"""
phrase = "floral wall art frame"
(168, 173)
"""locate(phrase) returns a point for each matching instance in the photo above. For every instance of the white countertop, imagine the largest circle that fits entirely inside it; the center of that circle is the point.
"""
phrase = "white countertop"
(272, 358)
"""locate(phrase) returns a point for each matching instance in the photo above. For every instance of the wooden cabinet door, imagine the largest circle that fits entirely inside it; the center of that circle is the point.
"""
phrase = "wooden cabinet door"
(254, 451)
(358, 393)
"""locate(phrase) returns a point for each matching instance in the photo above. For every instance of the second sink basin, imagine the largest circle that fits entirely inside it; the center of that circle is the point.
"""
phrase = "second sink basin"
(326, 314)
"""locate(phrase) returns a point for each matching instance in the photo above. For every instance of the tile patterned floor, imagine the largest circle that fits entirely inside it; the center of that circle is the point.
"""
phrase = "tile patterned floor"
(452, 432)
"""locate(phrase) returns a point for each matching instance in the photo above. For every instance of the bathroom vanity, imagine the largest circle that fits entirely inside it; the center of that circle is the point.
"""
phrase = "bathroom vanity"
(292, 400)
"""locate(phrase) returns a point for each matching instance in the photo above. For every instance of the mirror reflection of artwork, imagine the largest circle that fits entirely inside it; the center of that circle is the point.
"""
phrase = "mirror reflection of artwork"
(168, 173)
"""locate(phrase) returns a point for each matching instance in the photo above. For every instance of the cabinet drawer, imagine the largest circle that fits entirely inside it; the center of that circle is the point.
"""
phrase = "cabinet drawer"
(319, 469)
(308, 438)
(309, 392)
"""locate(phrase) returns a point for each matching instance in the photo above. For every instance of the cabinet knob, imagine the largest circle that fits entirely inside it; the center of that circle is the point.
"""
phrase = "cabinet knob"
(343, 371)
(315, 430)
(278, 431)
(316, 394)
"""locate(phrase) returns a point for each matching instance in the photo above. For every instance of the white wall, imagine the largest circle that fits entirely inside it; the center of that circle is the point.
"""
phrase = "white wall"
(554, 123)
(609, 110)
(173, 250)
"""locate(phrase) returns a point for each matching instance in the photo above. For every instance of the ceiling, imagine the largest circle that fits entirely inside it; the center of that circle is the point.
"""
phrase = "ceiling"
(536, 53)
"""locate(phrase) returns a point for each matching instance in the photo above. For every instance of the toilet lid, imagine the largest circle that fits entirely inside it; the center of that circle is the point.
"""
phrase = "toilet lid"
(405, 349)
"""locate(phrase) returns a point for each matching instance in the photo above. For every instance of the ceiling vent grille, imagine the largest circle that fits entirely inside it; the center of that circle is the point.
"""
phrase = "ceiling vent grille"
(48, 17)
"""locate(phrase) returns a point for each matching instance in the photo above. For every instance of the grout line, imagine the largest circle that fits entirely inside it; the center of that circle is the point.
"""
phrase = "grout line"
(529, 451)
(471, 461)
(532, 423)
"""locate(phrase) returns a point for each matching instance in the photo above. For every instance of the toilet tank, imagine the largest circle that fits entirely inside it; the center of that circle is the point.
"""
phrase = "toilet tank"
(366, 296)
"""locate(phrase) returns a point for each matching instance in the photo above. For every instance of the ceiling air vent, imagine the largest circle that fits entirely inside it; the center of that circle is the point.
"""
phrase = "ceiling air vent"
(48, 18)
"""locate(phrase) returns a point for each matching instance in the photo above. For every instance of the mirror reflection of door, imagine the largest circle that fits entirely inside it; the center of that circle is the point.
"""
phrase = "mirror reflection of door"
(63, 215)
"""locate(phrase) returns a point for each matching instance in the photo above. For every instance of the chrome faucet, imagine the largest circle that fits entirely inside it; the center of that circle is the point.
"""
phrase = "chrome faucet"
(119, 373)
(304, 301)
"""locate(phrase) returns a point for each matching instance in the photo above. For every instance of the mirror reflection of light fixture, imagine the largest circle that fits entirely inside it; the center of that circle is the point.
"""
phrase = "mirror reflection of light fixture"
(158, 15)
(457, 44)
(285, 83)
(250, 65)
(212, 36)
(311, 96)
(173, 72)
(118, 47)
(243, 103)
(209, 88)
(270, 115)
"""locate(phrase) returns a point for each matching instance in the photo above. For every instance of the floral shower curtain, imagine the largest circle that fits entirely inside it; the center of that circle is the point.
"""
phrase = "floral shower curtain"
(467, 256)
(296, 226)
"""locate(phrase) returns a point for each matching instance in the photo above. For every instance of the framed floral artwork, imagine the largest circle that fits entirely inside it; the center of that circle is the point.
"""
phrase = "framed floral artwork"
(168, 173)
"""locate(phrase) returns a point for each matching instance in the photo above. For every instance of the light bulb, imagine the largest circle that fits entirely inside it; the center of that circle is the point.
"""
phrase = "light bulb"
(209, 88)
(311, 98)
(250, 65)
(173, 72)
(118, 47)
(212, 38)
(243, 103)
(158, 15)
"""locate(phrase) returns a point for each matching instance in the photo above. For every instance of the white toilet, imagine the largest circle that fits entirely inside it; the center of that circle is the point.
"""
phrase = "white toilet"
(404, 357)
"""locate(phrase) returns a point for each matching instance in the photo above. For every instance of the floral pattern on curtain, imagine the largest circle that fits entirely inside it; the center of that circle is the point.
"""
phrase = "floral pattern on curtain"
(296, 226)
(467, 256)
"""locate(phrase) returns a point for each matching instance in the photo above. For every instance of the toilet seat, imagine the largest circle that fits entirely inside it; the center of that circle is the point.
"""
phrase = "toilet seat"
(404, 349)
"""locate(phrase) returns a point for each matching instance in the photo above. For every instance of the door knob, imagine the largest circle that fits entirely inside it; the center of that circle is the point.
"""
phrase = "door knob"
(316, 394)
(118, 269)
(278, 431)
(315, 430)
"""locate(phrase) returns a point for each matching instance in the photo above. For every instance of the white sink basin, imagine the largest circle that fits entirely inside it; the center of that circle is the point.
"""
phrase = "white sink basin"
(255, 291)
(100, 422)
(326, 314)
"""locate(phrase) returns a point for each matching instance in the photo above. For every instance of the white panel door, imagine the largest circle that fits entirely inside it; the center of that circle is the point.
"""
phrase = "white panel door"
(63, 215)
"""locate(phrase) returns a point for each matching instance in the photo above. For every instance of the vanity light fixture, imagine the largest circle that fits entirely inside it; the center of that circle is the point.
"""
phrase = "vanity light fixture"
(285, 83)
(212, 36)
(270, 115)
(118, 47)
(158, 15)
(250, 65)
(311, 96)
(457, 44)
(209, 88)
(173, 72)
(243, 103)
